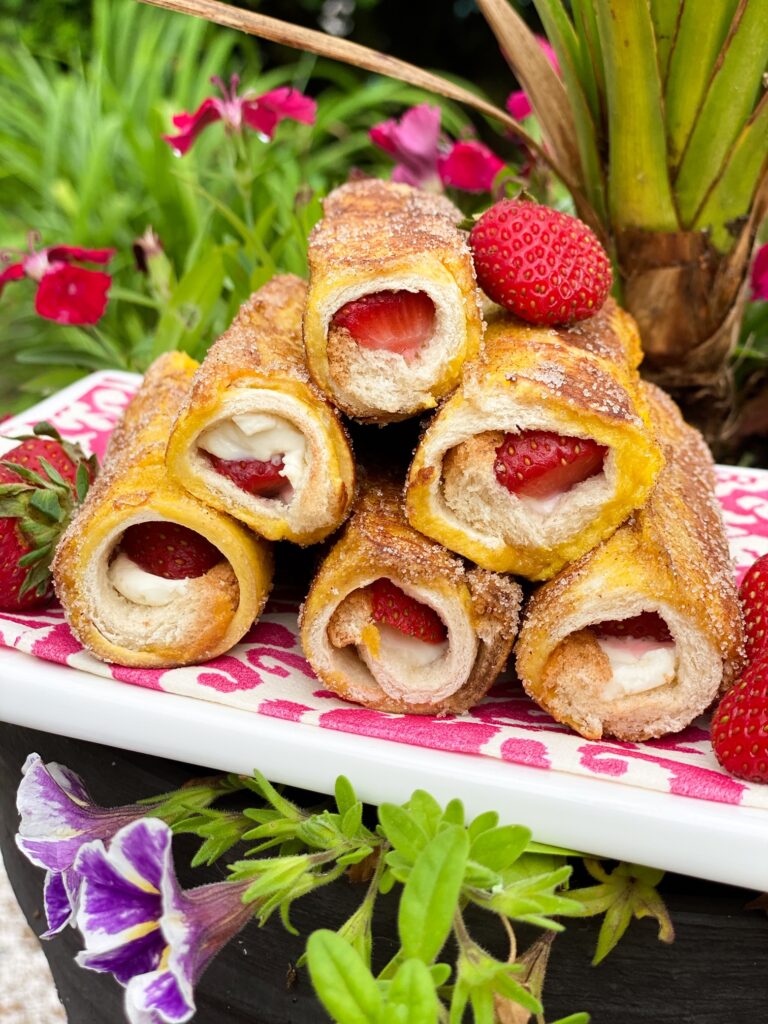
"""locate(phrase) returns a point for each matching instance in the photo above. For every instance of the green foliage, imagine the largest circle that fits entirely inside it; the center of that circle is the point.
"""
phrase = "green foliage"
(84, 163)
(444, 864)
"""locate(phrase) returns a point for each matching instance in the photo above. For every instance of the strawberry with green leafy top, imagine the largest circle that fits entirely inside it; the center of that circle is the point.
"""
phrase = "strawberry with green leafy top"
(42, 482)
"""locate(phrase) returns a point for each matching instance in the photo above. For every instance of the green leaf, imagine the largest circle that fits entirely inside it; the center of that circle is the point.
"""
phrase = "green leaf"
(665, 14)
(402, 830)
(188, 312)
(430, 896)
(731, 196)
(82, 482)
(701, 33)
(648, 903)
(412, 995)
(343, 983)
(616, 921)
(453, 813)
(483, 822)
(574, 1018)
(729, 101)
(639, 190)
(352, 820)
(497, 848)
(261, 785)
(345, 795)
(426, 811)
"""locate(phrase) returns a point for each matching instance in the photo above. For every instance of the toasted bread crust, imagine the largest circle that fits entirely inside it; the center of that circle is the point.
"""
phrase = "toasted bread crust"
(374, 233)
(263, 351)
(133, 487)
(672, 556)
(378, 542)
(579, 381)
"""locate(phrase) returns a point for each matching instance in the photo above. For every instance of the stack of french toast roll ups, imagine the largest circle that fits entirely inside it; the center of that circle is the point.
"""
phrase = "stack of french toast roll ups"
(631, 623)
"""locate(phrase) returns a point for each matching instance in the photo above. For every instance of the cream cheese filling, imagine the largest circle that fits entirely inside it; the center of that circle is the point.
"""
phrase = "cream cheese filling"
(407, 652)
(141, 587)
(262, 437)
(637, 665)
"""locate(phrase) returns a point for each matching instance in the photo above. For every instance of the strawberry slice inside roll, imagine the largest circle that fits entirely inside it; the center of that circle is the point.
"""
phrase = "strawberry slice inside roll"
(636, 638)
(255, 438)
(394, 622)
(543, 450)
(148, 575)
(393, 308)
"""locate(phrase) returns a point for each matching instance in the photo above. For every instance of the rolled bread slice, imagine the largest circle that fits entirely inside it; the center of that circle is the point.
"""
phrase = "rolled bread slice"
(639, 636)
(123, 613)
(575, 390)
(254, 436)
(393, 308)
(396, 623)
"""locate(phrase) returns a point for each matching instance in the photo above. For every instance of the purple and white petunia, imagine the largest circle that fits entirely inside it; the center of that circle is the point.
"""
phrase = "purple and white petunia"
(138, 923)
(57, 817)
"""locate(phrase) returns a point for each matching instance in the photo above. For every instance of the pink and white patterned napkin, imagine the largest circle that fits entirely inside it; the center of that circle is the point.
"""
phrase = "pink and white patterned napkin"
(267, 674)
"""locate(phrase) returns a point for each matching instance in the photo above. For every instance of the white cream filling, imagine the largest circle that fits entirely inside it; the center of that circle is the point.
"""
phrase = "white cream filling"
(408, 652)
(142, 587)
(262, 437)
(637, 665)
(541, 506)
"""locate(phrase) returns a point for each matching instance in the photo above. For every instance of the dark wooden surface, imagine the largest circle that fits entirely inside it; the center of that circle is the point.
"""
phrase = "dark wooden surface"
(716, 972)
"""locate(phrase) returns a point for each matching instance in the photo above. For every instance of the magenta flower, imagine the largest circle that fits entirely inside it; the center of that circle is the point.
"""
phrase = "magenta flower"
(518, 103)
(65, 293)
(261, 113)
(469, 166)
(414, 142)
(139, 925)
(759, 279)
(427, 159)
(57, 818)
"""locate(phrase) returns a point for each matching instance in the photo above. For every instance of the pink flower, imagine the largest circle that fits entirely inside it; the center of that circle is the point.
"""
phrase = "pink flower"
(518, 103)
(261, 113)
(469, 166)
(414, 143)
(427, 159)
(65, 293)
(760, 274)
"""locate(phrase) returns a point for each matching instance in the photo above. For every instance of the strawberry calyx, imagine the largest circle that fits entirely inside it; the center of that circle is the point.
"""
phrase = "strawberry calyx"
(541, 463)
(37, 501)
(393, 607)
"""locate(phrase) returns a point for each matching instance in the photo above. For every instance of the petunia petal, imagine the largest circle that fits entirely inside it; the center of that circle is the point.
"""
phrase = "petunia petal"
(65, 253)
(58, 909)
(190, 125)
(52, 806)
(156, 997)
(14, 272)
(112, 908)
(135, 958)
(469, 166)
(71, 295)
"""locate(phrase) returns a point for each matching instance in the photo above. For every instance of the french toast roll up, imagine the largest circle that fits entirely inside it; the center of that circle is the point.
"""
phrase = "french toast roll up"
(395, 622)
(393, 308)
(147, 574)
(544, 449)
(640, 635)
(255, 437)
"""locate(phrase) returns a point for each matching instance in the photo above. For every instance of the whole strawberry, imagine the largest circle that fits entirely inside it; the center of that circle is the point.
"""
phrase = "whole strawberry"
(740, 725)
(42, 480)
(754, 603)
(544, 266)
